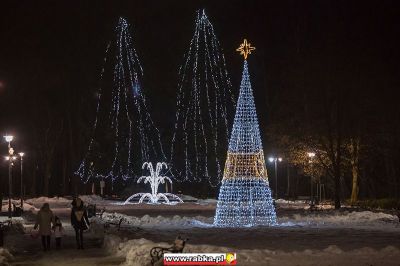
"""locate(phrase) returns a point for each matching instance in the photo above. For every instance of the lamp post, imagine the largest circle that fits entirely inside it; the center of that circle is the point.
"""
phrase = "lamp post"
(311, 155)
(21, 156)
(10, 159)
(275, 160)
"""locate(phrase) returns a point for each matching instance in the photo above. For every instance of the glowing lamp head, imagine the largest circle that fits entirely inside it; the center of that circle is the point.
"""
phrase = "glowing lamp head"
(7, 158)
(311, 154)
(280, 159)
(21, 154)
(9, 138)
(271, 159)
(14, 157)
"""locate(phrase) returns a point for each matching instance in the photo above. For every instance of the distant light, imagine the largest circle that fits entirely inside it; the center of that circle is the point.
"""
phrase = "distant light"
(271, 159)
(14, 157)
(311, 154)
(21, 154)
(7, 158)
(9, 138)
(280, 159)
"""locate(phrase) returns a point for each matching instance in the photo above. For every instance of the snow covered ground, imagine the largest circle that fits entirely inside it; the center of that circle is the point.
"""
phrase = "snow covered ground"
(5, 256)
(302, 236)
(136, 253)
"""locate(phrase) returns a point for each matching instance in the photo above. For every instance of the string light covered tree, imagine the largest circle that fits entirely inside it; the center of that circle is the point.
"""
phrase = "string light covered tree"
(123, 133)
(204, 99)
(245, 197)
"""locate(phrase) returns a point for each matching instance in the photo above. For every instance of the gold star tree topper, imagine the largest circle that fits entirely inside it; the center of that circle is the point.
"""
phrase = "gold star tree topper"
(245, 49)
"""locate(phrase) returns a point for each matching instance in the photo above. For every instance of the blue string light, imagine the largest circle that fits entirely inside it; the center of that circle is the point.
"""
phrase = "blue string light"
(122, 127)
(245, 197)
(201, 130)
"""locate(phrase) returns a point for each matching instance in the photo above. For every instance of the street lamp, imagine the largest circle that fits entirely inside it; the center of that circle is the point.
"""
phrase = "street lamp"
(21, 155)
(275, 160)
(9, 138)
(311, 155)
(10, 158)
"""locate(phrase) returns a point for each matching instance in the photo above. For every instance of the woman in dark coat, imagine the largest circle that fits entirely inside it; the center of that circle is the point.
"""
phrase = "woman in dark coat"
(79, 220)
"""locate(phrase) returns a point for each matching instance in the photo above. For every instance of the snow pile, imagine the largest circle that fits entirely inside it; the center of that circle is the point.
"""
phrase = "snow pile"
(61, 202)
(27, 206)
(294, 202)
(290, 204)
(5, 256)
(187, 197)
(137, 253)
(53, 202)
(207, 201)
(345, 219)
(13, 220)
(91, 199)
(159, 221)
(363, 218)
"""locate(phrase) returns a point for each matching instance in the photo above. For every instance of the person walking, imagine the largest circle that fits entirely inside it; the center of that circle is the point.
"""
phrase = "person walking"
(44, 220)
(58, 232)
(79, 220)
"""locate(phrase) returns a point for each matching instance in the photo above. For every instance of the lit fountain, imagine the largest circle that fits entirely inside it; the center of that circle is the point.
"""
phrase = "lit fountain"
(154, 179)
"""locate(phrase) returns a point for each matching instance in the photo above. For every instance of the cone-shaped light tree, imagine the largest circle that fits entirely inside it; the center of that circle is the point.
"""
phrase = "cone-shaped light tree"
(245, 197)
(204, 103)
(123, 134)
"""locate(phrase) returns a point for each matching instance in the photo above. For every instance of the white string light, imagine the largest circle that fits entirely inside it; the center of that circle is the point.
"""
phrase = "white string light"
(204, 99)
(245, 197)
(154, 179)
(122, 127)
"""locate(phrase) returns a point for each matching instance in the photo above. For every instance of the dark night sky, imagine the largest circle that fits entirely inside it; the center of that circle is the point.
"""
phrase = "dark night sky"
(58, 46)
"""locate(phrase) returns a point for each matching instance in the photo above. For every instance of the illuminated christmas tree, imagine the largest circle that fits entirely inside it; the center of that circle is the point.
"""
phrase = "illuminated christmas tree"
(123, 134)
(204, 102)
(245, 197)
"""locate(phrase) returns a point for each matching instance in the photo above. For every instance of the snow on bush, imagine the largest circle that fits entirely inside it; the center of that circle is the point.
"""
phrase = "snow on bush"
(5, 256)
(137, 253)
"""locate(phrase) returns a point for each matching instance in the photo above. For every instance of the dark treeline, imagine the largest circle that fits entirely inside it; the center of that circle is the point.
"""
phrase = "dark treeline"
(336, 99)
(325, 77)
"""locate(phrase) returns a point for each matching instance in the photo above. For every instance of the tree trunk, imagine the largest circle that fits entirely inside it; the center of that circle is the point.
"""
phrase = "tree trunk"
(63, 190)
(354, 160)
(34, 175)
(73, 180)
(46, 179)
(337, 187)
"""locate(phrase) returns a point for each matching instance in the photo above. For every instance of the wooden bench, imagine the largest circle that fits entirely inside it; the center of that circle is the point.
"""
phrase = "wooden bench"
(157, 253)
